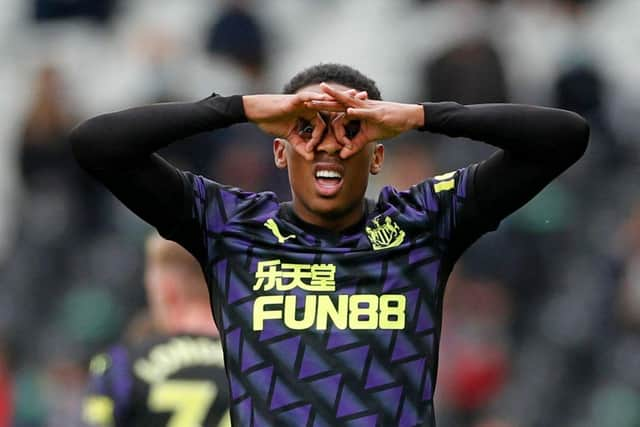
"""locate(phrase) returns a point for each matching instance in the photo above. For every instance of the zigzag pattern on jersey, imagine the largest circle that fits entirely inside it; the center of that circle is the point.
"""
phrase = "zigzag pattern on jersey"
(342, 373)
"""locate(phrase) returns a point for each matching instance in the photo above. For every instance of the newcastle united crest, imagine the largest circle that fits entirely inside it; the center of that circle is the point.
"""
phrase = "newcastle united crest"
(385, 233)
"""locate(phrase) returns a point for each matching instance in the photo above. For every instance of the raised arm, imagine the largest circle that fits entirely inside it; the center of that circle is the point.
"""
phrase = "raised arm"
(118, 150)
(536, 145)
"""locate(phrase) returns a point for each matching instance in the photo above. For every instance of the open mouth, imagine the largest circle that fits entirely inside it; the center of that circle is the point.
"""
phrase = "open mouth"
(328, 179)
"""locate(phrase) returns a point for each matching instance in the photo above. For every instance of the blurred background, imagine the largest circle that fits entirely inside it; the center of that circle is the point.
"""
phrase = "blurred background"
(542, 319)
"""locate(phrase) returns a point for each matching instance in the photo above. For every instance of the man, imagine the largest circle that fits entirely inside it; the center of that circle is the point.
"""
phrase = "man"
(176, 379)
(330, 305)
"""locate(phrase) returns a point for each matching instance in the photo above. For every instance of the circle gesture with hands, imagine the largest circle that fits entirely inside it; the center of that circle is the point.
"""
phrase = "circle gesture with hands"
(361, 120)
(289, 117)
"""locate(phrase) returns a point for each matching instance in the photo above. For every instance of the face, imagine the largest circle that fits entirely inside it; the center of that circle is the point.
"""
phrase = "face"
(328, 191)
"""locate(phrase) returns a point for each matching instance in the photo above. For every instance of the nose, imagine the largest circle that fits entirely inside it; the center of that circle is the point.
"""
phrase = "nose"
(329, 144)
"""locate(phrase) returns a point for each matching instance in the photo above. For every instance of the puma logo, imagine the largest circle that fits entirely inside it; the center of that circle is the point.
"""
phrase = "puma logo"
(271, 225)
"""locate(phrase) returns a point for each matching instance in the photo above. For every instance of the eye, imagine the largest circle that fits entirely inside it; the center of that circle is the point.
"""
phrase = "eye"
(352, 128)
(305, 127)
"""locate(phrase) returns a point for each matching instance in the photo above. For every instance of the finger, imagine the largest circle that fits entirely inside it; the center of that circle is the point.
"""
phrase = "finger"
(346, 152)
(301, 149)
(341, 96)
(334, 106)
(300, 146)
(319, 127)
(362, 95)
(297, 143)
(338, 126)
(302, 97)
(362, 114)
(356, 145)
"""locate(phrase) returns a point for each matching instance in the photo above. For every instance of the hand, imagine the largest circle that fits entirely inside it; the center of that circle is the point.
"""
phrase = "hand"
(361, 121)
(288, 117)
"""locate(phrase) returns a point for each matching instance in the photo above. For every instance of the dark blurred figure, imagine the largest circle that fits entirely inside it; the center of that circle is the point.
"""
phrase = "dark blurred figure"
(97, 10)
(48, 122)
(582, 89)
(61, 207)
(470, 72)
(237, 35)
(46, 164)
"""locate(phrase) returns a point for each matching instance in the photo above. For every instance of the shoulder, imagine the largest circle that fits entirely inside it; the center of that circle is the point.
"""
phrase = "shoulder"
(428, 193)
(110, 387)
(113, 359)
(111, 367)
(216, 203)
(217, 192)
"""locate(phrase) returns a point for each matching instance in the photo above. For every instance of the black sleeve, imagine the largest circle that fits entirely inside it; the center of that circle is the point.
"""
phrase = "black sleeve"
(118, 150)
(536, 144)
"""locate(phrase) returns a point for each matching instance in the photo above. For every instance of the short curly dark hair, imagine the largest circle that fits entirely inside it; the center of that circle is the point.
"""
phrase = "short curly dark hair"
(336, 73)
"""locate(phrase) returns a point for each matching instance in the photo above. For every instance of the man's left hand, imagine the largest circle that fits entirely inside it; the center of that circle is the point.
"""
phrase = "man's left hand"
(361, 121)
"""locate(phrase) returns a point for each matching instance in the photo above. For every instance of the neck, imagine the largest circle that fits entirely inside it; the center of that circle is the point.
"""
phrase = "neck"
(334, 221)
(193, 319)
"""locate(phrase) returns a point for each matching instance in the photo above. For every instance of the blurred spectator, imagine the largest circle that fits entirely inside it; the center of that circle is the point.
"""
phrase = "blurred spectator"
(45, 129)
(582, 88)
(97, 10)
(470, 72)
(237, 35)
(48, 170)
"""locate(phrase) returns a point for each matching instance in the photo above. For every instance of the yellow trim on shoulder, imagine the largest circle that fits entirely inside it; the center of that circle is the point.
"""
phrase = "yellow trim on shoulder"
(444, 185)
(445, 176)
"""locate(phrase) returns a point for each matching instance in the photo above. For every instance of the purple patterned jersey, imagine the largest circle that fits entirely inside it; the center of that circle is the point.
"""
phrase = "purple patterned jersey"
(323, 328)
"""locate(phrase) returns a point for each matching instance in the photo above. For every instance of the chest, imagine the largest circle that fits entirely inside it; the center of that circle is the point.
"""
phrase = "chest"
(264, 285)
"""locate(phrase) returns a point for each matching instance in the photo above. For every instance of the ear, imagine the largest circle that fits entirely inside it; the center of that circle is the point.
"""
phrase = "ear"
(280, 153)
(377, 159)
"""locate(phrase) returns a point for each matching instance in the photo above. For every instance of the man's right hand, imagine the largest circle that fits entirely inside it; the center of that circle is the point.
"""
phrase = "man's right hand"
(288, 117)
